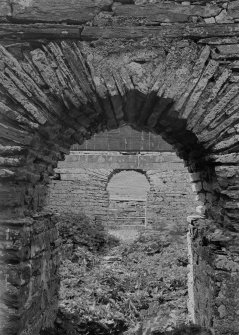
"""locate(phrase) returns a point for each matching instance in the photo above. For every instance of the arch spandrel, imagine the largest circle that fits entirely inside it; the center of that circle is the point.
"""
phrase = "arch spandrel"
(56, 91)
(115, 88)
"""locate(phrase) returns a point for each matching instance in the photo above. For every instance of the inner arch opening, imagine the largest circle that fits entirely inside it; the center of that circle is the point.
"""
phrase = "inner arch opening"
(128, 194)
(128, 184)
(162, 239)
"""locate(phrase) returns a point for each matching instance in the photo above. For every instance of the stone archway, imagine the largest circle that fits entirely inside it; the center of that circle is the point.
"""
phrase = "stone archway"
(53, 94)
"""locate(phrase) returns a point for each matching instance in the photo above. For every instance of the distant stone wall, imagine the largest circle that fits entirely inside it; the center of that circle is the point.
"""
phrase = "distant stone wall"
(83, 179)
(83, 191)
(170, 199)
(126, 213)
(124, 139)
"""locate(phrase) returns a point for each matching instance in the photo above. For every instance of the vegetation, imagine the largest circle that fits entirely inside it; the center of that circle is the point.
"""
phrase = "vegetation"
(109, 287)
(77, 230)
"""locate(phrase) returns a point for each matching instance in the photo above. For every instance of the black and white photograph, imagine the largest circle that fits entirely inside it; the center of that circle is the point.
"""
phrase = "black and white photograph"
(119, 167)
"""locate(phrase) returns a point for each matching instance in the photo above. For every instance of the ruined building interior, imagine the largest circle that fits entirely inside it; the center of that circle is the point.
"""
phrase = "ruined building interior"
(138, 186)
(70, 70)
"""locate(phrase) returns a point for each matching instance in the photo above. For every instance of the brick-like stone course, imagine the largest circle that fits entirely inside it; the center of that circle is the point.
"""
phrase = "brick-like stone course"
(122, 213)
(213, 263)
(170, 199)
(84, 190)
(32, 245)
(69, 71)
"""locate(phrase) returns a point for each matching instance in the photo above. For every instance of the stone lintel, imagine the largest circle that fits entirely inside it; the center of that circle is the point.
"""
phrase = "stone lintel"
(36, 31)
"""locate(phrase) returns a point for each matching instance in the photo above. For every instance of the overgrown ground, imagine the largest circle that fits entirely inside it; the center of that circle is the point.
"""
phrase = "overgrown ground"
(108, 287)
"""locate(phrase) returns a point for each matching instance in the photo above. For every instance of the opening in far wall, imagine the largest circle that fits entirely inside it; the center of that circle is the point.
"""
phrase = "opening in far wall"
(128, 199)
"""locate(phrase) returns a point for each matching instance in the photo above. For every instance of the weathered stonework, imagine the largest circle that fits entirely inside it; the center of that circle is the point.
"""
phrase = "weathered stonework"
(69, 70)
(84, 177)
(213, 265)
(124, 139)
(32, 243)
(125, 214)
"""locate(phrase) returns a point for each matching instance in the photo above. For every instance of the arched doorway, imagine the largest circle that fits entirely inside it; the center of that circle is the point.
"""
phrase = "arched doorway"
(45, 111)
(127, 211)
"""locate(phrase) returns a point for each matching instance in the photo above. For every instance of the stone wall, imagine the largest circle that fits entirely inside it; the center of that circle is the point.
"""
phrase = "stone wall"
(29, 257)
(200, 277)
(84, 176)
(75, 68)
(32, 246)
(213, 265)
(170, 199)
(124, 139)
(83, 191)
(125, 213)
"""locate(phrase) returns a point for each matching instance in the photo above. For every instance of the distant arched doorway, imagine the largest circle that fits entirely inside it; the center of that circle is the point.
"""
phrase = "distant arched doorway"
(128, 190)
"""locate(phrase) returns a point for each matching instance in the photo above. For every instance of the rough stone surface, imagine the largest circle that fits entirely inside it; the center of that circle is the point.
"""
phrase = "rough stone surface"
(212, 264)
(61, 83)
(84, 178)
(124, 139)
